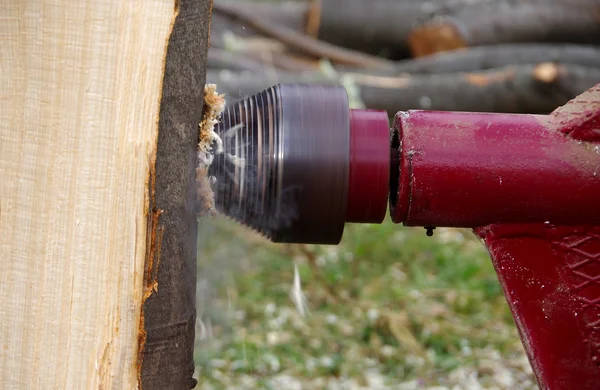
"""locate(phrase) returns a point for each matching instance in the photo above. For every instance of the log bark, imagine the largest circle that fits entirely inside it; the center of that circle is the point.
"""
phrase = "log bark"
(460, 60)
(507, 21)
(534, 89)
(99, 109)
(384, 27)
(378, 27)
(488, 57)
(169, 313)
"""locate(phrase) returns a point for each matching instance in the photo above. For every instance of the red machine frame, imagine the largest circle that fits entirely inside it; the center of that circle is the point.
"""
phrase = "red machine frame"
(466, 169)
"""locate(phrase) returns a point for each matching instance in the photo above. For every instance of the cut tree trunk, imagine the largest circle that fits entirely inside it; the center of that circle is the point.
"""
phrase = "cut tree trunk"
(99, 109)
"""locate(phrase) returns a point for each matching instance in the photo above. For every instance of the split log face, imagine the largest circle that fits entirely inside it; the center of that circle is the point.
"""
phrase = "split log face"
(87, 118)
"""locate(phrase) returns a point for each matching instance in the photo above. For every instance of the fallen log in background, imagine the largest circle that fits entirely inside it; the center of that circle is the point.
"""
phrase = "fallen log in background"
(379, 26)
(508, 21)
(392, 28)
(489, 57)
(459, 60)
(515, 89)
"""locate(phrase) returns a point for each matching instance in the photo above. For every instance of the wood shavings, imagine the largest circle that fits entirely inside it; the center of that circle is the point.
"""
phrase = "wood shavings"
(237, 161)
(214, 105)
(297, 295)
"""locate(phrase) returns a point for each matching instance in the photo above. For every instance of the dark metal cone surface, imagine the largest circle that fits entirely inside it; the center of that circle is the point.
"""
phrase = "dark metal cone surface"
(284, 170)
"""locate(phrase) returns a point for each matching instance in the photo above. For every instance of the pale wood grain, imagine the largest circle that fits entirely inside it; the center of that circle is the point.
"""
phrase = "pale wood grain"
(80, 89)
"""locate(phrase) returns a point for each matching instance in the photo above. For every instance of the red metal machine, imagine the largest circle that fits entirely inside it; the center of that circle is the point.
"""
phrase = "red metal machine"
(298, 164)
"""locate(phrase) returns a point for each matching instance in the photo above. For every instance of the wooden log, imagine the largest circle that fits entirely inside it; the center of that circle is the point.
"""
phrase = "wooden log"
(377, 27)
(460, 60)
(515, 21)
(527, 89)
(495, 56)
(383, 27)
(374, 27)
(534, 89)
(99, 109)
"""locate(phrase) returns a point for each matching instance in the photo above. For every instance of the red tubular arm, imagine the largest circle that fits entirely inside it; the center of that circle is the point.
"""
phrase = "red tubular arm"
(529, 186)
(470, 169)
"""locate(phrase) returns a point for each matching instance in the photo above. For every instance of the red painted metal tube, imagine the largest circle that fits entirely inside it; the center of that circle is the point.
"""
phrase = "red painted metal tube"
(459, 169)
(369, 169)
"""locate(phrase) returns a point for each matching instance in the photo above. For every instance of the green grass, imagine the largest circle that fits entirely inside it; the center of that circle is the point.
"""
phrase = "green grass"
(388, 308)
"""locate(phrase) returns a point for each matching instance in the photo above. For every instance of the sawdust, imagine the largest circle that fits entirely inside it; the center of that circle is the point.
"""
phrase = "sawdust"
(209, 145)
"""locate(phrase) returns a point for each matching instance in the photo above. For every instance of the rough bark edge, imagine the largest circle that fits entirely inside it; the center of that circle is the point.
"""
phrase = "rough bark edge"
(168, 315)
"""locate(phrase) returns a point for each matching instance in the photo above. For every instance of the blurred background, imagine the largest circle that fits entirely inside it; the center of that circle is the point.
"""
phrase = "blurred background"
(389, 308)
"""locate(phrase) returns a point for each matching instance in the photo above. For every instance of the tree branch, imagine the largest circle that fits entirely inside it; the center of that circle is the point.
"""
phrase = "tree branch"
(301, 42)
